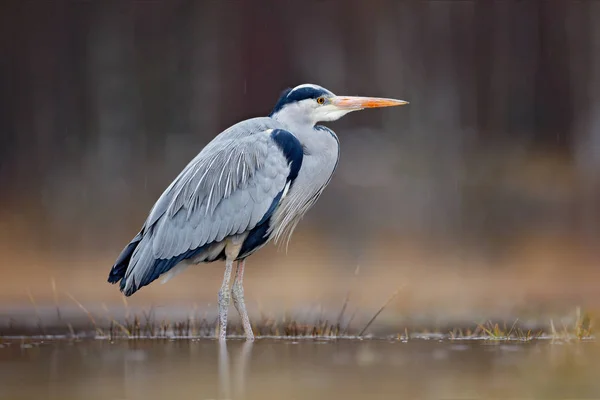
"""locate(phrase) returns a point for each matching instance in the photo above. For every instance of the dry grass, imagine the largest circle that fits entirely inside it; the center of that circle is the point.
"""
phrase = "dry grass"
(147, 325)
(581, 329)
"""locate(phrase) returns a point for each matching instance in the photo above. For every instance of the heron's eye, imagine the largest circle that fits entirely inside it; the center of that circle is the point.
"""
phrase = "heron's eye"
(321, 100)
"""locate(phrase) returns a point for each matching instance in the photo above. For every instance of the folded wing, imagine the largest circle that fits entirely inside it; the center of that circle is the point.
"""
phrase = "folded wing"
(231, 187)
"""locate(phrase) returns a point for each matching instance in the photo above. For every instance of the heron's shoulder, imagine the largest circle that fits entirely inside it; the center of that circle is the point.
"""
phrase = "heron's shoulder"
(250, 127)
(268, 134)
(256, 131)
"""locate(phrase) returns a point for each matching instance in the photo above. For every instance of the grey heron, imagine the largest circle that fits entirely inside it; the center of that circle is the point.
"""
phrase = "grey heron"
(251, 184)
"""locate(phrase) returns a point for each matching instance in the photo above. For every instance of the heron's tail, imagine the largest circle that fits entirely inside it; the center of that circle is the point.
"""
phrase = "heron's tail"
(118, 270)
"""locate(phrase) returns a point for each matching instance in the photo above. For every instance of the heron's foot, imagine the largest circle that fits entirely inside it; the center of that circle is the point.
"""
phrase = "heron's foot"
(240, 306)
(224, 298)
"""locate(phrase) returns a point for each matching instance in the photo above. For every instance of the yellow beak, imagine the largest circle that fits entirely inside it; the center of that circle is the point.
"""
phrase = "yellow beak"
(358, 103)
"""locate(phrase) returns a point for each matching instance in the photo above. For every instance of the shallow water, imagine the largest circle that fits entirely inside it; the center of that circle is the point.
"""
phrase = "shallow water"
(304, 369)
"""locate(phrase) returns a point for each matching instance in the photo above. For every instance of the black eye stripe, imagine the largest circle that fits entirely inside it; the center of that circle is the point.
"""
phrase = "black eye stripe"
(292, 96)
(305, 93)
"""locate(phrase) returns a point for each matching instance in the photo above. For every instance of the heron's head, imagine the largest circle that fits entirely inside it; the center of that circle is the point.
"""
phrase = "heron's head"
(309, 104)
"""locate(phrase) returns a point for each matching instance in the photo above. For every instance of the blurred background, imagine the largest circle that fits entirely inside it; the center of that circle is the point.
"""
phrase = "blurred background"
(480, 199)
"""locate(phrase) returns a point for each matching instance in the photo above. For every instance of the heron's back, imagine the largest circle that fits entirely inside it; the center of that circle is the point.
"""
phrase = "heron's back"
(232, 187)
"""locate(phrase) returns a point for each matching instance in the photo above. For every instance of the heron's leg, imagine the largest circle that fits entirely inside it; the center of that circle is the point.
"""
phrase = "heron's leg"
(238, 299)
(224, 297)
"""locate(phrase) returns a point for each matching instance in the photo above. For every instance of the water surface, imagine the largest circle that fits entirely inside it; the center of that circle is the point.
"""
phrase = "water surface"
(303, 369)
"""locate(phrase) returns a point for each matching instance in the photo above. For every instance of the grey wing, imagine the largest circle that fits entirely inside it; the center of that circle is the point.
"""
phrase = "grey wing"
(228, 189)
(238, 131)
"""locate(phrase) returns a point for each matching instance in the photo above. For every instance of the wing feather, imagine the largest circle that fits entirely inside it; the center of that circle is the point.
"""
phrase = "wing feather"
(226, 190)
(213, 209)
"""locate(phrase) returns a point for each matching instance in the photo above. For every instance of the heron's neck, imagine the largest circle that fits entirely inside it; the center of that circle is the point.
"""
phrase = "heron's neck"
(315, 139)
(294, 120)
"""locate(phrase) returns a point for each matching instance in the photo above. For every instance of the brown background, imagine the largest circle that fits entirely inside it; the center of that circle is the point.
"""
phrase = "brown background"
(481, 197)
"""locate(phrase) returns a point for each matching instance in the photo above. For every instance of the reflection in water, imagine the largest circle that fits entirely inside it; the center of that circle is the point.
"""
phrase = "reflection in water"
(224, 376)
(306, 369)
(242, 370)
(242, 363)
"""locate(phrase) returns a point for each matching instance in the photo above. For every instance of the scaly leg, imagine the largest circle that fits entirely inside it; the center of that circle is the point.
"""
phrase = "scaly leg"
(238, 299)
(224, 296)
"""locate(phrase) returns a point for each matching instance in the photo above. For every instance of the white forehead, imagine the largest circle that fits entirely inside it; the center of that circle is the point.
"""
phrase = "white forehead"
(309, 86)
